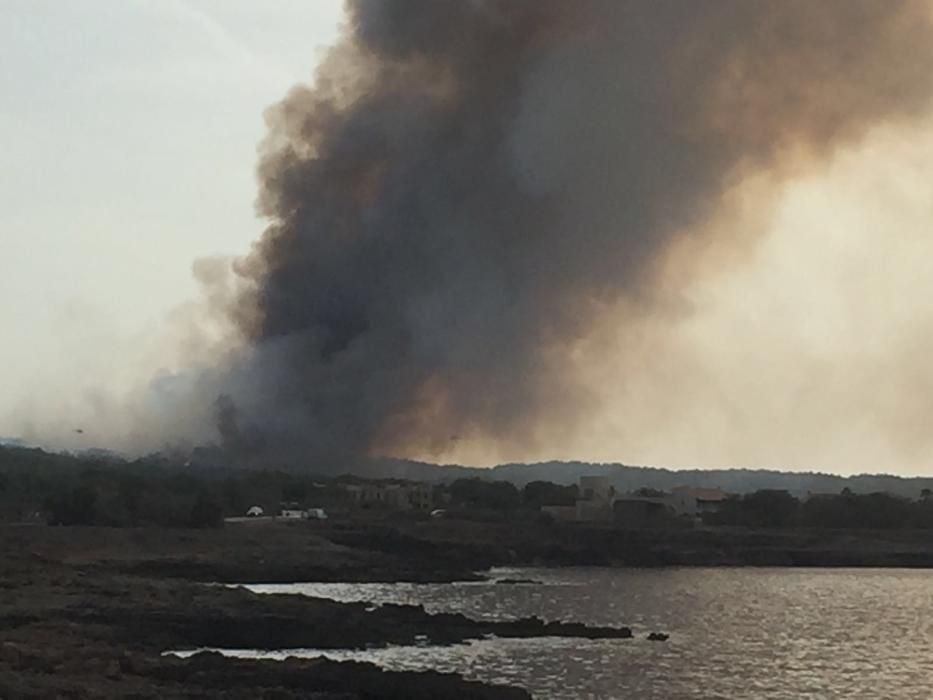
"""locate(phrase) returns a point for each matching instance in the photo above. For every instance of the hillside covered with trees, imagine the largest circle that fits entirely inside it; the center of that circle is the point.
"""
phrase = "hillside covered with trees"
(100, 489)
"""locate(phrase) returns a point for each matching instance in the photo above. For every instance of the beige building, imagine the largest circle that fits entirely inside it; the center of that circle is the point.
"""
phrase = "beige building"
(415, 495)
(598, 501)
(695, 501)
(595, 499)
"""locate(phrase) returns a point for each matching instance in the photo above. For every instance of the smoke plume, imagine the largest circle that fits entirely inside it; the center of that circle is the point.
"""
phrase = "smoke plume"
(470, 187)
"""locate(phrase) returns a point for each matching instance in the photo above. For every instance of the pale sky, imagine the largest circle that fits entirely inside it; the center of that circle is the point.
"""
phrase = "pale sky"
(128, 130)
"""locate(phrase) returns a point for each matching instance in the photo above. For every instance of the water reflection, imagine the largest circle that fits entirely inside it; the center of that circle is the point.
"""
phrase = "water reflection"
(508, 661)
(735, 633)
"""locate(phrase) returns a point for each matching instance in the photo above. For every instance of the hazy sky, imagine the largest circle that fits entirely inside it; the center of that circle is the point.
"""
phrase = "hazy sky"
(129, 130)
(808, 348)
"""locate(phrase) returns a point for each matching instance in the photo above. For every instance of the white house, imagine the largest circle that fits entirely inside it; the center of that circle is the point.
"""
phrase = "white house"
(293, 513)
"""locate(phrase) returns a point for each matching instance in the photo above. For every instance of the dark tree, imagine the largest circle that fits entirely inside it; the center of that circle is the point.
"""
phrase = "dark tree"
(546, 493)
(206, 511)
(75, 506)
(479, 493)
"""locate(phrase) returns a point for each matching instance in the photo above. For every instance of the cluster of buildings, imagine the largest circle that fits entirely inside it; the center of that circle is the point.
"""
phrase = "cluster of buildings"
(413, 495)
(598, 501)
(371, 495)
(287, 511)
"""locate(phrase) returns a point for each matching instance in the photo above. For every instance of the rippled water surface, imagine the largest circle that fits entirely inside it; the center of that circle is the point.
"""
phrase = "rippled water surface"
(735, 633)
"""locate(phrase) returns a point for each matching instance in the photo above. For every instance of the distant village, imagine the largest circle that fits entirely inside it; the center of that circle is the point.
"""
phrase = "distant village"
(594, 499)
(599, 501)
(90, 489)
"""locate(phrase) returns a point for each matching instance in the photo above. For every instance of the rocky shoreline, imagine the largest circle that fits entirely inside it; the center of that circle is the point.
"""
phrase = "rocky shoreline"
(87, 612)
(84, 614)
(80, 634)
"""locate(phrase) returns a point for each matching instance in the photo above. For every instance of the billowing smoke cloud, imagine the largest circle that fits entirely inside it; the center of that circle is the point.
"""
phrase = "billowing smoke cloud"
(470, 186)
(538, 228)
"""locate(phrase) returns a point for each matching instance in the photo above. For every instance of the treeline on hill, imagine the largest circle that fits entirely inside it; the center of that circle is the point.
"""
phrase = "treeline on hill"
(59, 489)
(628, 478)
(69, 490)
(779, 509)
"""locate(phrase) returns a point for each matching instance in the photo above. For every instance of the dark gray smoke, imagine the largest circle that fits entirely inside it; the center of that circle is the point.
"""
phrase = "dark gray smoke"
(470, 184)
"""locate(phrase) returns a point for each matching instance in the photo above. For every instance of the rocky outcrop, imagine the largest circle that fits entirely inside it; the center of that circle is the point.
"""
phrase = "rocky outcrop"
(237, 619)
(98, 671)
(91, 617)
(322, 678)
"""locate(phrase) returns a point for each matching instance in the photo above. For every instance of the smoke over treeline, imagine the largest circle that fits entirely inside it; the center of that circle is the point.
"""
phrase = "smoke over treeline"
(469, 187)
(513, 229)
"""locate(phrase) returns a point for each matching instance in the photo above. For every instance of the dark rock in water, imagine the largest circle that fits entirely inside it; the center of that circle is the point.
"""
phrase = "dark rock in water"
(517, 581)
(658, 637)
(211, 675)
(404, 607)
(536, 627)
